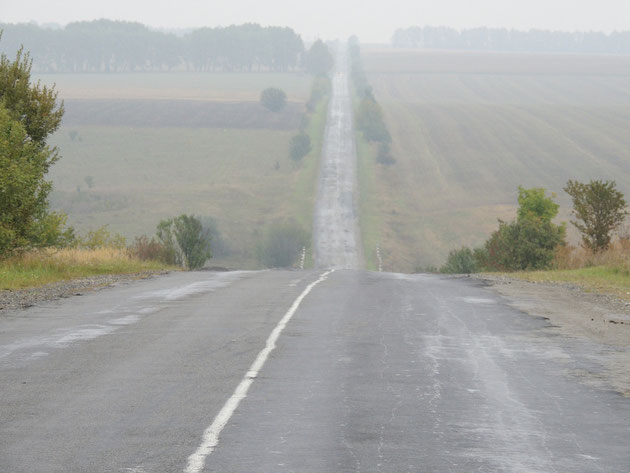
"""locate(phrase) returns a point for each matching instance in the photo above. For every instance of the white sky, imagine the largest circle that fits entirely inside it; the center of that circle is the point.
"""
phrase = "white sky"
(372, 21)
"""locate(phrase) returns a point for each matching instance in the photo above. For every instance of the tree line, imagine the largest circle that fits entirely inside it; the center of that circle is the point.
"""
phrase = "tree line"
(368, 113)
(501, 39)
(119, 46)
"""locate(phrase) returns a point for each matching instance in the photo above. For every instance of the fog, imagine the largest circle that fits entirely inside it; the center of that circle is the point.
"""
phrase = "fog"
(372, 21)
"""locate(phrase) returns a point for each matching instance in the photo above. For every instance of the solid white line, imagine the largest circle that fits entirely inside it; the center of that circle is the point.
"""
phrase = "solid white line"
(210, 438)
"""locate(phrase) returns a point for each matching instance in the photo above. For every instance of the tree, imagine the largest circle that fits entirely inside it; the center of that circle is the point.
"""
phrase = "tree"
(531, 240)
(319, 60)
(370, 121)
(28, 114)
(273, 99)
(185, 240)
(460, 261)
(33, 105)
(299, 146)
(599, 209)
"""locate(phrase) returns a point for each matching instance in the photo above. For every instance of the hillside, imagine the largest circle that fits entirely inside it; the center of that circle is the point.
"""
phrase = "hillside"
(469, 128)
(139, 148)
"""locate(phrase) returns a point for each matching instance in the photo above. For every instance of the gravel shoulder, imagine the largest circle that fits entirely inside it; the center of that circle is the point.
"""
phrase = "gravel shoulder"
(23, 298)
(572, 311)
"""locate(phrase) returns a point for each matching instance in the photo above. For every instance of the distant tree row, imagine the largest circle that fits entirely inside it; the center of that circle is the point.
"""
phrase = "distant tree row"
(511, 40)
(118, 46)
(368, 113)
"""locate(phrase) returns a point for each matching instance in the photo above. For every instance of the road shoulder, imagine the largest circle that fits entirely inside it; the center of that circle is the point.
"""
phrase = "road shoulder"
(575, 313)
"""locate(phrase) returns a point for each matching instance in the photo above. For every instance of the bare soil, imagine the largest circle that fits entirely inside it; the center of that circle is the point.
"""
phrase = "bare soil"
(572, 311)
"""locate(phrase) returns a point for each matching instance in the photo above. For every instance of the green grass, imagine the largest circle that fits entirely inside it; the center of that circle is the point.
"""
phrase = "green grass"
(240, 176)
(598, 279)
(467, 132)
(369, 222)
(45, 267)
(142, 176)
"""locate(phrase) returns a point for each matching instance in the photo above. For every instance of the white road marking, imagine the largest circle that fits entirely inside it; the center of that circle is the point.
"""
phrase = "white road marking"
(210, 438)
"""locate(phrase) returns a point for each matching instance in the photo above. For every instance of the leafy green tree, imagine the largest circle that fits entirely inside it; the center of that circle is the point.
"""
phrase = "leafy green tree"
(164, 234)
(534, 203)
(273, 99)
(319, 61)
(460, 261)
(599, 209)
(299, 146)
(186, 242)
(529, 242)
(28, 114)
(33, 105)
(369, 119)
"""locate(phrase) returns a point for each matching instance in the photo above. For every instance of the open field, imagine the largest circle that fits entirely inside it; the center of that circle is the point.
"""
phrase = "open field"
(469, 128)
(129, 163)
(216, 87)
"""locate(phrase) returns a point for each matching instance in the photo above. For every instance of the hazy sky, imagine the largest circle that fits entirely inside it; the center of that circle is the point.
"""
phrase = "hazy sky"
(372, 21)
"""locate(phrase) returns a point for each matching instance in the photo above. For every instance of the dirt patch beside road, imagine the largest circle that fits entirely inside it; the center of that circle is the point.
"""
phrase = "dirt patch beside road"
(574, 312)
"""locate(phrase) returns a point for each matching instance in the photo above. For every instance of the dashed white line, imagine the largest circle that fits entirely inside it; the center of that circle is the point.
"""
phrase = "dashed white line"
(210, 438)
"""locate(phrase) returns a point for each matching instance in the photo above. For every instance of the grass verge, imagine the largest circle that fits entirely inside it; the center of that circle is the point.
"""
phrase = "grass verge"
(51, 265)
(599, 279)
(369, 222)
(306, 179)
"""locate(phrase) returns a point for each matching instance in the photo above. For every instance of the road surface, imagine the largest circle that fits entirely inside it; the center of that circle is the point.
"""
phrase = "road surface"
(373, 372)
(335, 225)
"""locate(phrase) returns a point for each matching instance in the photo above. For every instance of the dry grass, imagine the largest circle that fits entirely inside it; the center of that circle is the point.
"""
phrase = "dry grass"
(606, 272)
(52, 265)
(572, 257)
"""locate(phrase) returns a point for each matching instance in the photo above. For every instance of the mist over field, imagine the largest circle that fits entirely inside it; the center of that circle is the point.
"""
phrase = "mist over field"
(160, 122)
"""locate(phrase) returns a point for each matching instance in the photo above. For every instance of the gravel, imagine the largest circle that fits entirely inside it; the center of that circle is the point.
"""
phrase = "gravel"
(23, 298)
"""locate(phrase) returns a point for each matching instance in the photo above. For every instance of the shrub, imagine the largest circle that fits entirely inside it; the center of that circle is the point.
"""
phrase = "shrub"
(282, 244)
(529, 242)
(320, 88)
(370, 121)
(384, 155)
(273, 99)
(185, 240)
(101, 238)
(147, 250)
(299, 146)
(460, 261)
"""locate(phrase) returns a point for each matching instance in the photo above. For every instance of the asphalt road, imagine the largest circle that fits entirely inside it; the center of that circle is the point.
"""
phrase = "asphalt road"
(373, 372)
(335, 225)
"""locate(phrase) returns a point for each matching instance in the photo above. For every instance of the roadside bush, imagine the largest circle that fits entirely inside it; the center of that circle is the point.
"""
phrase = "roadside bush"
(319, 90)
(530, 242)
(185, 241)
(273, 99)
(524, 244)
(460, 261)
(369, 119)
(282, 244)
(384, 155)
(101, 238)
(147, 250)
(299, 146)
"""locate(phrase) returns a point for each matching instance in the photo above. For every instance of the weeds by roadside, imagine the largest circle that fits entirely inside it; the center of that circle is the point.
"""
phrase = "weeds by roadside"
(50, 265)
